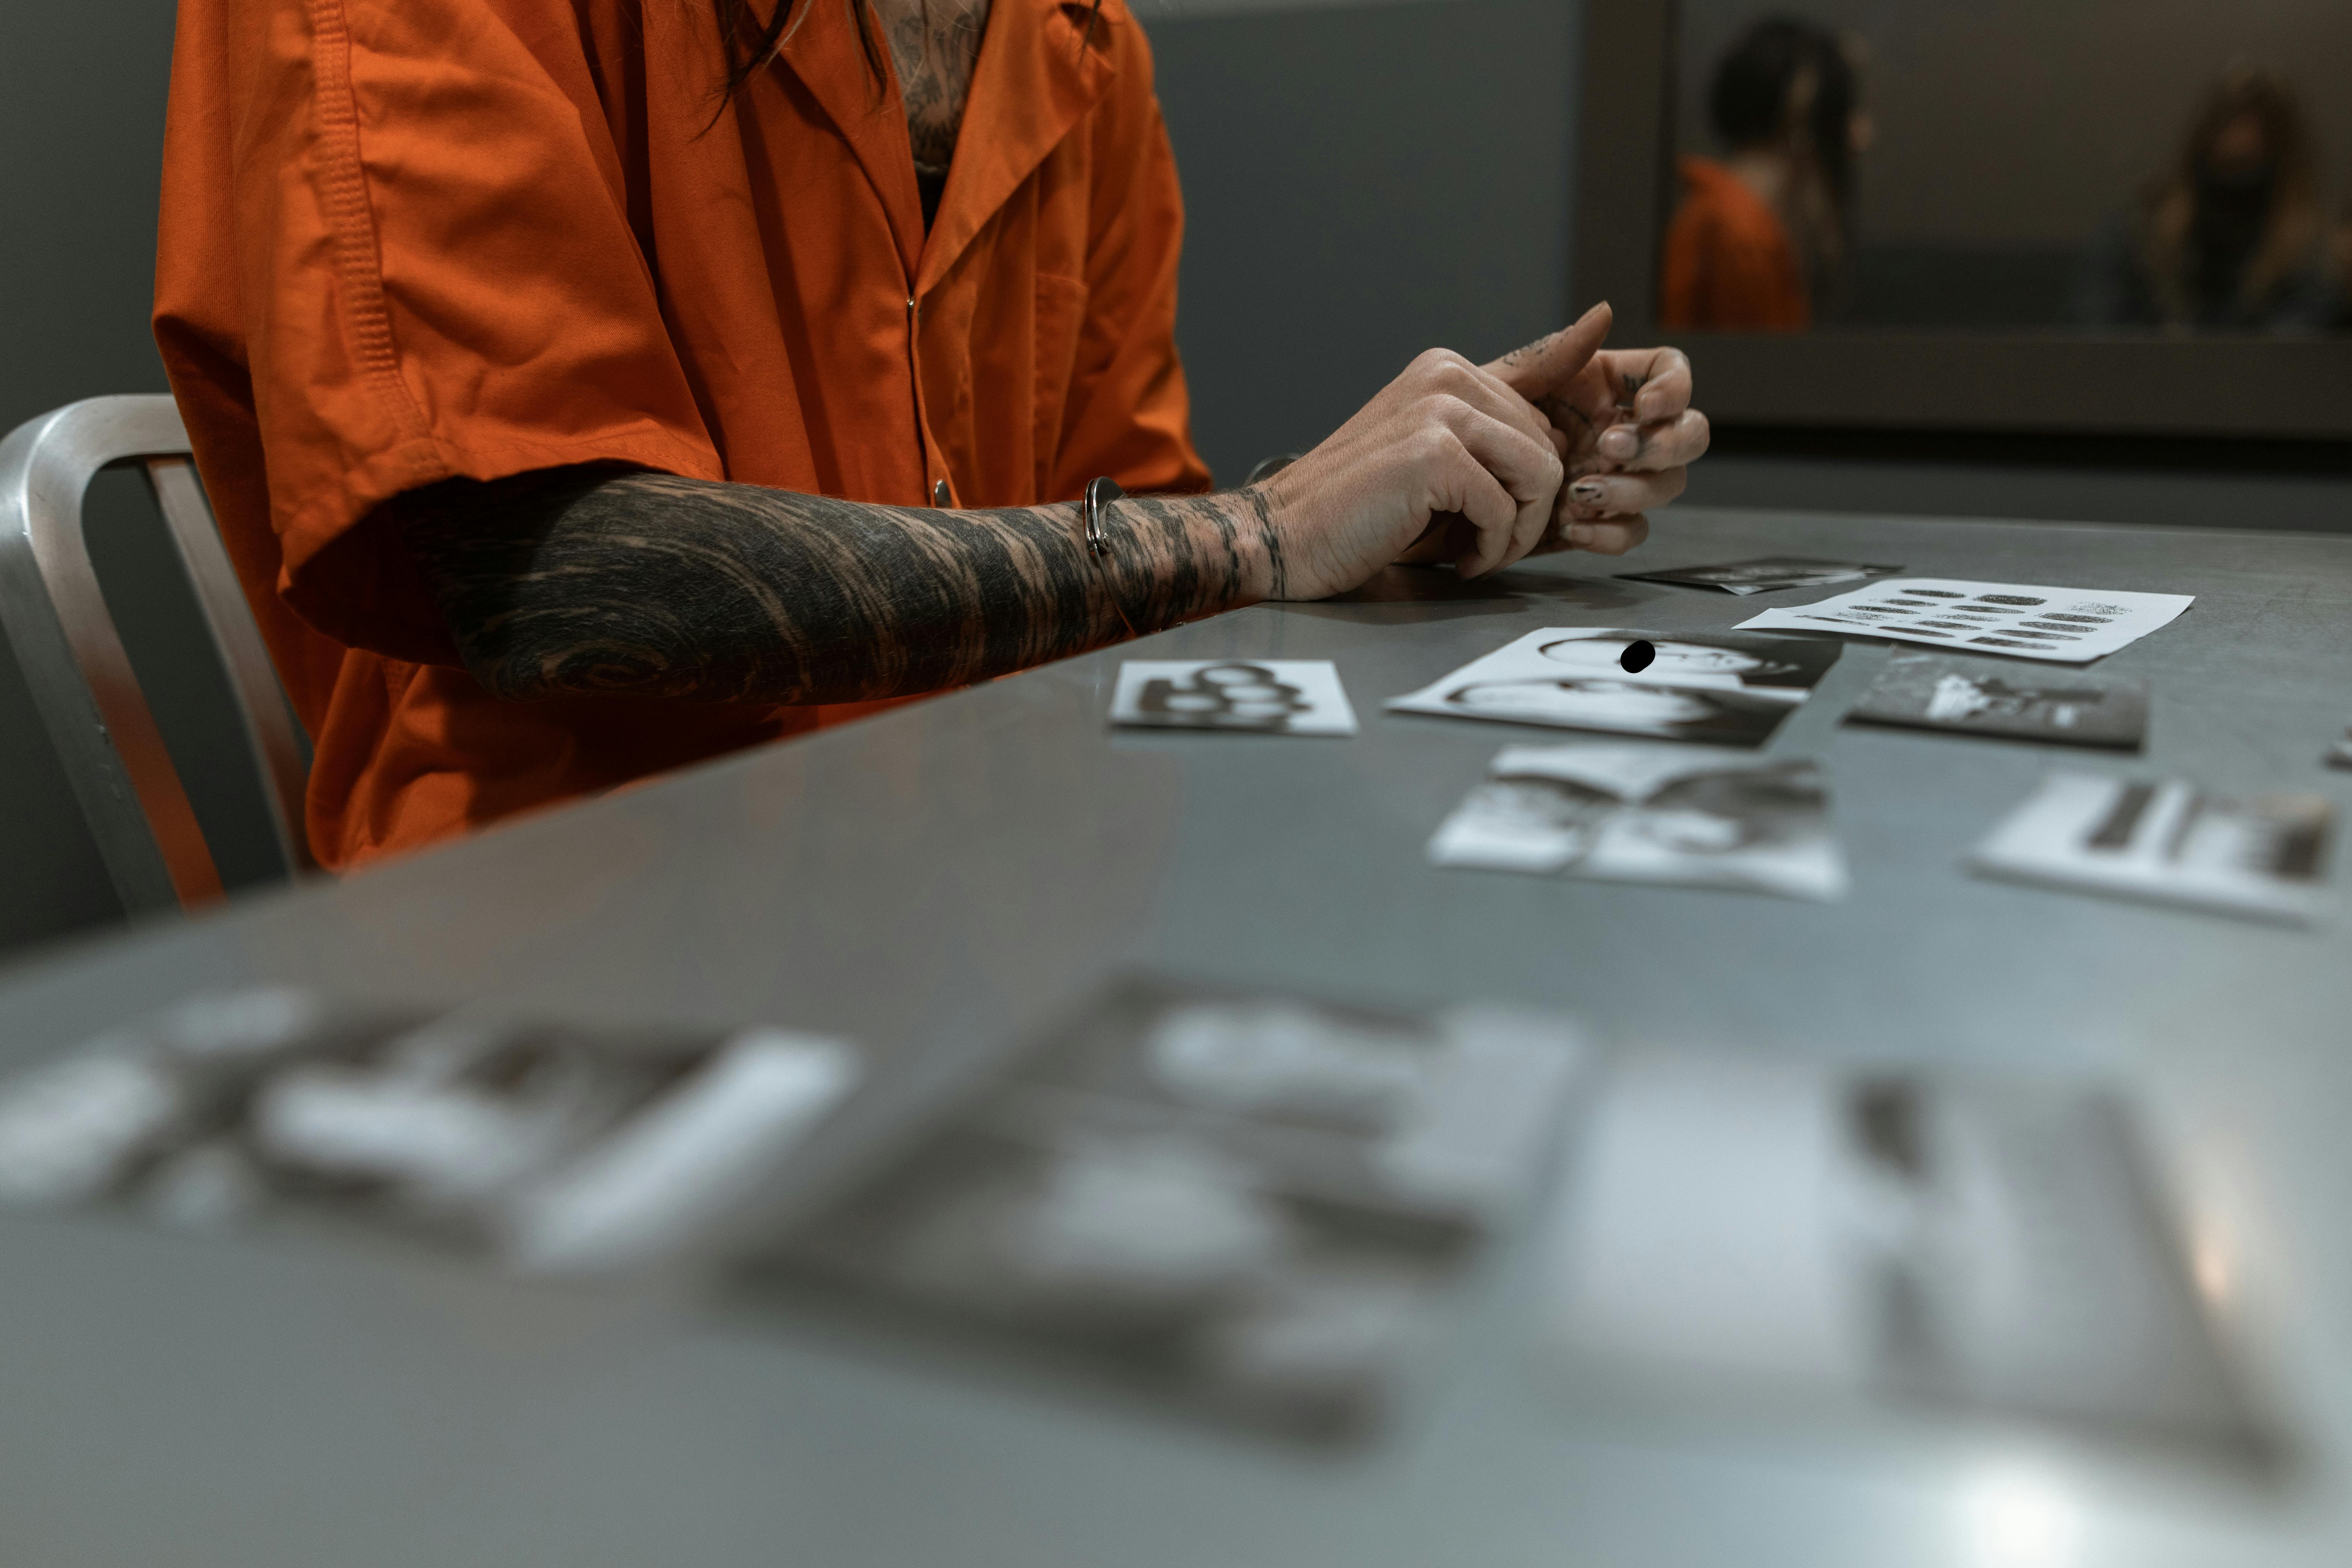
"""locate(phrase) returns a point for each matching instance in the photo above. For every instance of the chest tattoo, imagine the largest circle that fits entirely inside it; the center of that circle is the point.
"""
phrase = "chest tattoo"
(934, 44)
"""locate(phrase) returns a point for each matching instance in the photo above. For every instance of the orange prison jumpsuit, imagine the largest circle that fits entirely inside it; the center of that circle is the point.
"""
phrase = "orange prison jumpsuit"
(1730, 265)
(405, 240)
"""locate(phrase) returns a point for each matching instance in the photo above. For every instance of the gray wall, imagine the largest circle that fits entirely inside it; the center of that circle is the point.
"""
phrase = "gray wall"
(81, 123)
(1363, 182)
(1360, 186)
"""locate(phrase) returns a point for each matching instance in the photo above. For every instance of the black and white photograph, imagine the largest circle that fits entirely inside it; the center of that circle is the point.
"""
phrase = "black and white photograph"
(1977, 697)
(1767, 575)
(1723, 689)
(550, 1148)
(2014, 620)
(1972, 1245)
(1271, 697)
(1245, 1204)
(2170, 842)
(1650, 813)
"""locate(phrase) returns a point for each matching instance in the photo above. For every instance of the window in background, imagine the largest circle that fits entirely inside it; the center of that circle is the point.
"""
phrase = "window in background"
(2106, 166)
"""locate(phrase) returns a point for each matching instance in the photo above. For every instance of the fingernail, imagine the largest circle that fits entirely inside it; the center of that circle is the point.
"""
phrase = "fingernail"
(1589, 491)
(1580, 533)
(1620, 443)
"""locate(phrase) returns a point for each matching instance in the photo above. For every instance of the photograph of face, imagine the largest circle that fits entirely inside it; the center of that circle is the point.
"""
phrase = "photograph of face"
(1628, 813)
(1770, 665)
(1767, 575)
(1924, 692)
(1627, 708)
(1719, 687)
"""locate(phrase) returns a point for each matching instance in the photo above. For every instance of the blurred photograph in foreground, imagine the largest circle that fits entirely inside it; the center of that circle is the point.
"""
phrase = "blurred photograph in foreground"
(1249, 1207)
(545, 1147)
(1790, 1241)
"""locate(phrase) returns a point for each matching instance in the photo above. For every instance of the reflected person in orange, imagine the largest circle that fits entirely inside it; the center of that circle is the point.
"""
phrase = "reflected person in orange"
(1764, 234)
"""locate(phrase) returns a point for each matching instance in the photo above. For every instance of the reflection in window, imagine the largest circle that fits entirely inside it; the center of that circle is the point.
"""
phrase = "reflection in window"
(1767, 231)
(2009, 165)
(2230, 238)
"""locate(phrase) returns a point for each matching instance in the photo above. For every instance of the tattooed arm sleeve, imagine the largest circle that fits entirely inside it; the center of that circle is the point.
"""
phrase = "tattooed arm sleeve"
(593, 580)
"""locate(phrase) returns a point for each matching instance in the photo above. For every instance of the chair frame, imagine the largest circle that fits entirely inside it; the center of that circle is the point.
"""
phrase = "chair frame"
(90, 699)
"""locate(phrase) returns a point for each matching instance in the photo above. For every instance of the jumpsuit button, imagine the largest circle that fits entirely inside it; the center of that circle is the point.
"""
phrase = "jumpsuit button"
(939, 493)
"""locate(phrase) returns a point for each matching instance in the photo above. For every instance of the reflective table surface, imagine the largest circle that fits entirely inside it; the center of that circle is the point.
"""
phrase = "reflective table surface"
(933, 882)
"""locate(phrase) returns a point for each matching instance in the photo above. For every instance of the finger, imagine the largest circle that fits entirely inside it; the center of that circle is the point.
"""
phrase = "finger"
(1654, 383)
(1596, 496)
(1612, 536)
(1551, 361)
(1468, 485)
(1668, 444)
(1528, 469)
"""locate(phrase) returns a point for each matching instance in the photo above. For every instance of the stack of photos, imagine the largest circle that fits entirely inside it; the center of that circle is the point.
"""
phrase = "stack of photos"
(1926, 691)
(550, 1148)
(1768, 575)
(1243, 1206)
(2170, 842)
(1650, 813)
(1268, 697)
(2017, 620)
(1718, 687)
(1742, 1232)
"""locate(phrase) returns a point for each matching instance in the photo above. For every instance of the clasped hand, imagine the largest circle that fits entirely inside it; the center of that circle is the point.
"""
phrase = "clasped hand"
(1557, 446)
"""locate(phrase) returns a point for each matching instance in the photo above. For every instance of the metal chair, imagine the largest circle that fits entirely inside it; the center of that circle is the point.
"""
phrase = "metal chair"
(73, 660)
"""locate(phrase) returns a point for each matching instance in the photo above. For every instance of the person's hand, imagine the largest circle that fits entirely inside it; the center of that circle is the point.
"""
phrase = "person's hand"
(1624, 428)
(1443, 438)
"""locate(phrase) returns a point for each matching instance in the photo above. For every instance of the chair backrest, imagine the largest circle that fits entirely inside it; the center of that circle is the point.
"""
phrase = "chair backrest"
(73, 659)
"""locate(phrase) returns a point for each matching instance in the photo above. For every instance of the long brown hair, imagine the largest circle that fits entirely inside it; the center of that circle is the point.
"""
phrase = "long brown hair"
(751, 43)
(2291, 226)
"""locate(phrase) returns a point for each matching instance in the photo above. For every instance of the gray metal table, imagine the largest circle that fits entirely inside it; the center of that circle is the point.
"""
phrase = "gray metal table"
(930, 880)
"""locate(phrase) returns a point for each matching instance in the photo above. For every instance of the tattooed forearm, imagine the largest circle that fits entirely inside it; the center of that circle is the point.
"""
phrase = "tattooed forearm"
(1261, 517)
(580, 581)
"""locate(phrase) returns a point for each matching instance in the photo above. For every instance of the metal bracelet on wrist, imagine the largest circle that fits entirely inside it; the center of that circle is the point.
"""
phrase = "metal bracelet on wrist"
(1099, 494)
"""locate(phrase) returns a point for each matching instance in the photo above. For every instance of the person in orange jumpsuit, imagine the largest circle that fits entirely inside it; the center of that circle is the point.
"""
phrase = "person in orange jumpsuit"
(1757, 238)
(586, 387)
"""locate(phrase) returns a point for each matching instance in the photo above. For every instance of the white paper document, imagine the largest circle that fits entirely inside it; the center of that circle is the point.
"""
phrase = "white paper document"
(1268, 696)
(1650, 813)
(1726, 688)
(2070, 626)
(2171, 842)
